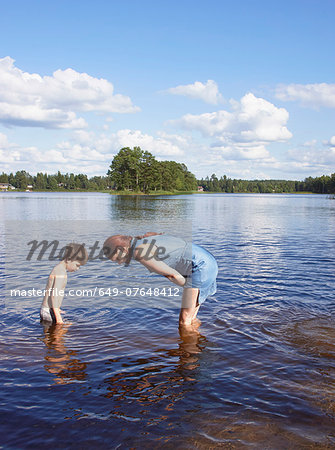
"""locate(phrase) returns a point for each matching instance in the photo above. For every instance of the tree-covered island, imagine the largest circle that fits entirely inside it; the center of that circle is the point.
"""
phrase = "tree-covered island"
(139, 171)
(135, 171)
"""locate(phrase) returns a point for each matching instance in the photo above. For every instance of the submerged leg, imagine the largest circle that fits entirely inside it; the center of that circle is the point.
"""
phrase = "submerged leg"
(196, 322)
(196, 312)
(189, 306)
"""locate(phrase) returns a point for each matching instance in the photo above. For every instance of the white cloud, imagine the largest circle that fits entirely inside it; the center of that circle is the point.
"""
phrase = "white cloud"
(66, 156)
(92, 154)
(49, 156)
(86, 152)
(181, 142)
(235, 164)
(310, 143)
(312, 155)
(101, 148)
(78, 152)
(246, 151)
(163, 145)
(83, 136)
(253, 123)
(8, 152)
(3, 141)
(28, 99)
(208, 92)
(253, 119)
(314, 95)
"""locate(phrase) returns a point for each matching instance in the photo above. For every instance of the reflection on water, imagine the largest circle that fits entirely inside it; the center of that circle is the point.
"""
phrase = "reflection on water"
(192, 343)
(61, 362)
(147, 207)
(138, 214)
(158, 380)
(259, 372)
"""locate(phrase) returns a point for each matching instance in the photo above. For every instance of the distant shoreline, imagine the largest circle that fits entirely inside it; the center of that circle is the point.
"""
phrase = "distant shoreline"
(130, 193)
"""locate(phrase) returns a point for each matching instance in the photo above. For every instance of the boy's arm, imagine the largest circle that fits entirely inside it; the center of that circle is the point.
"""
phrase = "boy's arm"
(161, 268)
(57, 296)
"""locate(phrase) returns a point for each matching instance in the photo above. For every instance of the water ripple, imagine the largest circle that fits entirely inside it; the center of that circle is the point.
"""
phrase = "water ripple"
(259, 372)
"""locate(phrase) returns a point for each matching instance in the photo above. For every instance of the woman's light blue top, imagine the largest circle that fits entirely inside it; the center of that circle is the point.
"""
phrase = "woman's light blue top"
(196, 264)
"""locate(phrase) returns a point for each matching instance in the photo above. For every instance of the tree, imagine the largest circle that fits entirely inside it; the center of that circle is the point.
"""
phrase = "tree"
(60, 178)
(81, 181)
(40, 182)
(3, 178)
(167, 176)
(215, 186)
(332, 184)
(138, 170)
(52, 183)
(150, 178)
(11, 179)
(126, 168)
(21, 179)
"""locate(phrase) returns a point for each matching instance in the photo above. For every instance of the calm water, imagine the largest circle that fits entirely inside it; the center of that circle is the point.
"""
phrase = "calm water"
(259, 372)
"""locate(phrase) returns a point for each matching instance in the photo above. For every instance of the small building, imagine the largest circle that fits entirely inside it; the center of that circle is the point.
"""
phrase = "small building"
(200, 189)
(6, 187)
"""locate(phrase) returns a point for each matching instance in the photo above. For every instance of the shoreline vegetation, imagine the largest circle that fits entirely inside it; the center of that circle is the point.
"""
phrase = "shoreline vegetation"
(153, 193)
(137, 172)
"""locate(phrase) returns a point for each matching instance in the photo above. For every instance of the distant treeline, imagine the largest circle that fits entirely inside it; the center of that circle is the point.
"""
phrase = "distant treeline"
(59, 182)
(319, 185)
(139, 171)
(131, 170)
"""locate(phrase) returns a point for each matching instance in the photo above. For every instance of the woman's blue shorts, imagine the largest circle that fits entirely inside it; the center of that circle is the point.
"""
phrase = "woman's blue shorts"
(204, 273)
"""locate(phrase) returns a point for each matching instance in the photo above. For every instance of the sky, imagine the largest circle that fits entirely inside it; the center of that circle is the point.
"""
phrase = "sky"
(244, 89)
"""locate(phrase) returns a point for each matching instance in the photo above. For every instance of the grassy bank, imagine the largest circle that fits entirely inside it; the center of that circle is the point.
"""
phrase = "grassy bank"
(248, 192)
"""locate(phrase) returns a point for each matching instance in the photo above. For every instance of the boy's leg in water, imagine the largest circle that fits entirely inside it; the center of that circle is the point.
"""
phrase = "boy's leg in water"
(189, 307)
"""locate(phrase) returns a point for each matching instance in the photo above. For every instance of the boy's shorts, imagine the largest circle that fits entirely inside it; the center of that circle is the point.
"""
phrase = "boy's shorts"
(47, 314)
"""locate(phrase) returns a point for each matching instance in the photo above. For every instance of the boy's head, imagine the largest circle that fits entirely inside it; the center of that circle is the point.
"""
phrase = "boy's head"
(75, 255)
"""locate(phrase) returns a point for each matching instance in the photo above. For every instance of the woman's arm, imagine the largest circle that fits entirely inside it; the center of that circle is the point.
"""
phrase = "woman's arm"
(157, 266)
(150, 233)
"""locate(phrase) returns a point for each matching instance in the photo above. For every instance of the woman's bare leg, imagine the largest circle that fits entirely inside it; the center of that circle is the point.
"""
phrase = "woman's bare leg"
(196, 322)
(189, 307)
(195, 313)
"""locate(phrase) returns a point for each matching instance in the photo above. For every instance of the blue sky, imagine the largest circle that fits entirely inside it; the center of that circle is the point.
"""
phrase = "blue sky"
(242, 88)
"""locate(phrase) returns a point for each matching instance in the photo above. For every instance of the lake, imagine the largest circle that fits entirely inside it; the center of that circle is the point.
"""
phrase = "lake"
(260, 370)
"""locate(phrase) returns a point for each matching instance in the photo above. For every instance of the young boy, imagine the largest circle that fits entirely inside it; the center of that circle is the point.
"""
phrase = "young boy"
(75, 256)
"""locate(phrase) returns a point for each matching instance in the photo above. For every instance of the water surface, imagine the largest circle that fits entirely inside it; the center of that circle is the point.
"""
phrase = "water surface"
(259, 372)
